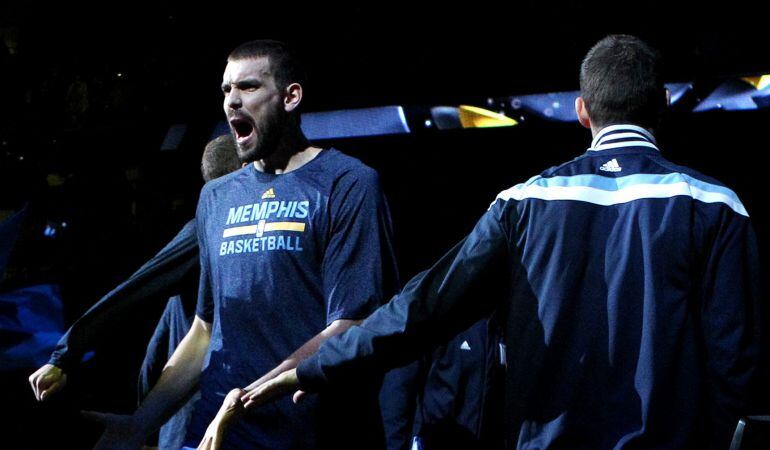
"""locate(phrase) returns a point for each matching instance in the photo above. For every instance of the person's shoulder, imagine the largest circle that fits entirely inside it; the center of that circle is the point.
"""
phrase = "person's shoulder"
(571, 167)
(189, 229)
(690, 173)
(516, 191)
(349, 168)
(709, 190)
(224, 181)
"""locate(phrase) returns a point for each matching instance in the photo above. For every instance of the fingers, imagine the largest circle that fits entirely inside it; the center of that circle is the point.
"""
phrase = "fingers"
(298, 397)
(212, 439)
(216, 441)
(52, 389)
(234, 397)
(38, 381)
(46, 381)
(205, 443)
(247, 394)
(253, 398)
(283, 384)
(33, 383)
(251, 404)
(262, 394)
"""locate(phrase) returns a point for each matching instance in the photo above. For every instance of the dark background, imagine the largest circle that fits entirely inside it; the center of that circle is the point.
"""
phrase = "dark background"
(89, 91)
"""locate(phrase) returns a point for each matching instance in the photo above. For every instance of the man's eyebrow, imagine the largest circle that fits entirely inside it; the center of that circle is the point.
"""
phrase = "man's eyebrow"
(245, 83)
(248, 82)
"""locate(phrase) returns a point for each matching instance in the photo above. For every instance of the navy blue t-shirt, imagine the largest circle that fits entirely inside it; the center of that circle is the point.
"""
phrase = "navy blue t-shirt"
(282, 257)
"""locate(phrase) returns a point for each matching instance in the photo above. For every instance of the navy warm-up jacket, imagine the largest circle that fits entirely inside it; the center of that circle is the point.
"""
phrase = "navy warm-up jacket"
(627, 288)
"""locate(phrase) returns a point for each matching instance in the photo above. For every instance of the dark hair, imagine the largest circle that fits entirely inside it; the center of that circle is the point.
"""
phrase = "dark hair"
(219, 158)
(285, 66)
(621, 81)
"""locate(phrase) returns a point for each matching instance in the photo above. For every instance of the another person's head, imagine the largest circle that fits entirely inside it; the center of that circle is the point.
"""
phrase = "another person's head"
(262, 85)
(621, 81)
(219, 158)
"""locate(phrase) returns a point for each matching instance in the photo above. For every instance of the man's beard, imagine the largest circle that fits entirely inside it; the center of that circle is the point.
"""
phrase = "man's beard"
(267, 137)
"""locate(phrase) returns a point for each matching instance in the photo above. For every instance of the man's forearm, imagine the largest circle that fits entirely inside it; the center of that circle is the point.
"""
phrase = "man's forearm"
(306, 350)
(239, 399)
(179, 378)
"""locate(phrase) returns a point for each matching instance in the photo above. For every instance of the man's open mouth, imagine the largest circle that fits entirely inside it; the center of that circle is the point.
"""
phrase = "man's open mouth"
(242, 128)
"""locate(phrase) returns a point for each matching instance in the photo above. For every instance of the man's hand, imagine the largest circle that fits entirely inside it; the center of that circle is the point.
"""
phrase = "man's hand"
(121, 432)
(238, 400)
(46, 381)
(229, 413)
(283, 384)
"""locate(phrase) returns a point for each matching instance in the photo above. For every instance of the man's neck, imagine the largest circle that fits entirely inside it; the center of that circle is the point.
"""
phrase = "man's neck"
(292, 152)
(596, 130)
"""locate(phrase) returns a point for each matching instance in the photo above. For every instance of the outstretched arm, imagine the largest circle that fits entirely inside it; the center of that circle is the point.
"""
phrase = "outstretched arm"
(179, 378)
(239, 399)
(159, 278)
(432, 307)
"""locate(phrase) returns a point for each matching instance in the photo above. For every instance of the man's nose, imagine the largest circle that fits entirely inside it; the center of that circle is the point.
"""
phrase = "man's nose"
(234, 99)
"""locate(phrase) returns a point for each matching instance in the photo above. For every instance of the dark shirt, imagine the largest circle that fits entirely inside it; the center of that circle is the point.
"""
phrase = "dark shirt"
(282, 257)
(173, 326)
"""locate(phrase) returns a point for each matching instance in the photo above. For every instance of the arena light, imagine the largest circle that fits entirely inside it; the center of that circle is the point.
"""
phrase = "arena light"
(345, 123)
(554, 106)
(348, 123)
(444, 118)
(764, 82)
(678, 91)
(475, 117)
(732, 95)
(762, 99)
(759, 82)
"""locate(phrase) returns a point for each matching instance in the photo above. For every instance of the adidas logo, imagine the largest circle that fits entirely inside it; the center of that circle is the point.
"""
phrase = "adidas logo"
(268, 194)
(611, 166)
(465, 346)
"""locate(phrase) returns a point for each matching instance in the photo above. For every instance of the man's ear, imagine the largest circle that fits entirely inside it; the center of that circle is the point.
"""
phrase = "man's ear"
(582, 112)
(292, 97)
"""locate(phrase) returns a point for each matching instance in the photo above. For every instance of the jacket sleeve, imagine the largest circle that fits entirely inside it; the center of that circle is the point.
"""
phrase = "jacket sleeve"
(433, 306)
(729, 318)
(158, 278)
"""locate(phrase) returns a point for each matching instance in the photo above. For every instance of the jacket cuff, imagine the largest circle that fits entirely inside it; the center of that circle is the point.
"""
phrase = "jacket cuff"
(311, 377)
(59, 362)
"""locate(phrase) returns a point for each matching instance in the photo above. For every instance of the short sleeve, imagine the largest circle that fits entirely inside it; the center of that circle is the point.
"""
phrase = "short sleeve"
(205, 305)
(359, 269)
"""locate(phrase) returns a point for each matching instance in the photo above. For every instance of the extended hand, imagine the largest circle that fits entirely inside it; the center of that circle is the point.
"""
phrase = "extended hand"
(283, 384)
(121, 432)
(229, 413)
(46, 381)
